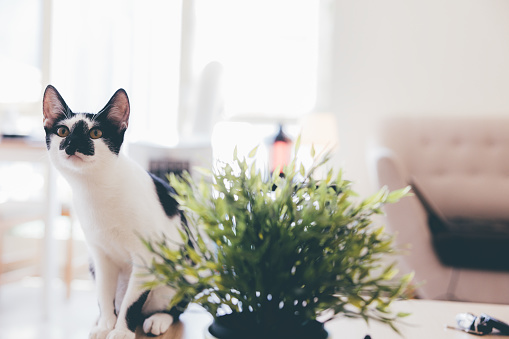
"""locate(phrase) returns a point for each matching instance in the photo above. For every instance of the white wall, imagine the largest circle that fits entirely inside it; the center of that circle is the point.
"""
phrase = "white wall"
(415, 57)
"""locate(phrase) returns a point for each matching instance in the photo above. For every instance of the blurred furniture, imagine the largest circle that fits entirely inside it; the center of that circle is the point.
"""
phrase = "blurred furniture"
(69, 264)
(463, 165)
(25, 150)
(19, 264)
(162, 160)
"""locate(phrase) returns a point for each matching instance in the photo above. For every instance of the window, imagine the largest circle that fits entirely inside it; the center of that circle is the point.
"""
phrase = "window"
(185, 64)
(21, 63)
(268, 50)
(100, 46)
(20, 55)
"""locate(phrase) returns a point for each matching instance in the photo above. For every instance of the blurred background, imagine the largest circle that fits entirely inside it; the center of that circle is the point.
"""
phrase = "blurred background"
(206, 75)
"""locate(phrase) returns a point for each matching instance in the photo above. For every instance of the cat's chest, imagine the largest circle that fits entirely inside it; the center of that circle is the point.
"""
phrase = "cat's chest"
(116, 214)
(109, 220)
(108, 214)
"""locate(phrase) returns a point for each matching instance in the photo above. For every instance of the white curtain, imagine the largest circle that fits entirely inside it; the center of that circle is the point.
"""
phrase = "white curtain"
(99, 46)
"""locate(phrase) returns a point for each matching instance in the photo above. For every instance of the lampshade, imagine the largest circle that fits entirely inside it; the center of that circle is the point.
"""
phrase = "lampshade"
(321, 130)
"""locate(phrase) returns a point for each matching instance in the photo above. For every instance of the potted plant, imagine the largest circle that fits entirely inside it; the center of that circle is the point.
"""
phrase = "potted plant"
(267, 256)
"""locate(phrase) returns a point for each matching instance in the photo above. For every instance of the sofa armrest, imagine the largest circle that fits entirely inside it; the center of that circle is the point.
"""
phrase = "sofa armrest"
(387, 168)
(407, 219)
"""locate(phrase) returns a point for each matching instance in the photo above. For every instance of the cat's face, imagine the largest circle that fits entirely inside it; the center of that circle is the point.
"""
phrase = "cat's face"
(82, 141)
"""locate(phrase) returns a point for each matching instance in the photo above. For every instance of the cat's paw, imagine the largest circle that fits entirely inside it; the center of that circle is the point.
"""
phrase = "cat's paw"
(104, 326)
(120, 334)
(157, 324)
(99, 333)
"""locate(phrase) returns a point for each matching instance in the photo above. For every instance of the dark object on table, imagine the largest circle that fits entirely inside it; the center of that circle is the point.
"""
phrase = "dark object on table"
(481, 325)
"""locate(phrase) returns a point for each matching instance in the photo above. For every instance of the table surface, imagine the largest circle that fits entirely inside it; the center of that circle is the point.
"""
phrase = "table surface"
(428, 319)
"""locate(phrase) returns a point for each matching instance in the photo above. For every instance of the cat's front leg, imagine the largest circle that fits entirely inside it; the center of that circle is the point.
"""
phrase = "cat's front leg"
(130, 315)
(106, 277)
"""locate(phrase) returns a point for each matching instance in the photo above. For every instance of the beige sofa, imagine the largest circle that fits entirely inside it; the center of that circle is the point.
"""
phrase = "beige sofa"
(463, 164)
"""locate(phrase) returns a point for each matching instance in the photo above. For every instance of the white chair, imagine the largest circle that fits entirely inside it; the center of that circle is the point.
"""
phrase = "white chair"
(12, 214)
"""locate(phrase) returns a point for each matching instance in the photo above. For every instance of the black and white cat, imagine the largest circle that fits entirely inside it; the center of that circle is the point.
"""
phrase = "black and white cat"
(116, 201)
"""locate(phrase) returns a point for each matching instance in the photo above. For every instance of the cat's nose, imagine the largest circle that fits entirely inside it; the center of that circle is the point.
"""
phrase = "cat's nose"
(77, 143)
(80, 145)
(71, 150)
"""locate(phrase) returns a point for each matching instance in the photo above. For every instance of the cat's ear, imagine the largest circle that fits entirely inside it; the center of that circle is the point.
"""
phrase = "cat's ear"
(53, 106)
(117, 109)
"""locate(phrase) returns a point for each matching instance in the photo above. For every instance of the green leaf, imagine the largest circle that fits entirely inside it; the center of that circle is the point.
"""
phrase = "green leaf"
(253, 152)
(203, 171)
(329, 175)
(193, 255)
(235, 157)
(407, 278)
(149, 285)
(395, 196)
(389, 274)
(275, 174)
(313, 152)
(297, 144)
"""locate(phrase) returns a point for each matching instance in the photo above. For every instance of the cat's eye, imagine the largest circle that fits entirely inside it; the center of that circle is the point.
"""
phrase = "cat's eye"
(62, 131)
(96, 133)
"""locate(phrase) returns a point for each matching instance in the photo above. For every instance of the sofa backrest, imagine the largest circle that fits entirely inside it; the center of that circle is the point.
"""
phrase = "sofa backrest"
(462, 164)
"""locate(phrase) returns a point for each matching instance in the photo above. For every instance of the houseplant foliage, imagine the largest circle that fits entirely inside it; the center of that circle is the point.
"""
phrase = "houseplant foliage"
(279, 250)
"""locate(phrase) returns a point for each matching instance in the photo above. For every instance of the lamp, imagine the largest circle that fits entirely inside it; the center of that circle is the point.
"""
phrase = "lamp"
(281, 151)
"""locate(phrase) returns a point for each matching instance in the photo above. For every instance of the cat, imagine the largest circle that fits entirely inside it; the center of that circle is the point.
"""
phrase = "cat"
(115, 201)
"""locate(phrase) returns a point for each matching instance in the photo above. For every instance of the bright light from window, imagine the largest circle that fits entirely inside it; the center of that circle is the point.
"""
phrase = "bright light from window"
(20, 51)
(269, 51)
(100, 46)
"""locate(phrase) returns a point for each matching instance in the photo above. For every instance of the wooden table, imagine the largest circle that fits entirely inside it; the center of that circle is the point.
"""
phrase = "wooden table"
(428, 320)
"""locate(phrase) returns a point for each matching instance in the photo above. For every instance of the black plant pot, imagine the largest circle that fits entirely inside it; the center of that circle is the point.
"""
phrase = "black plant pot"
(245, 326)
